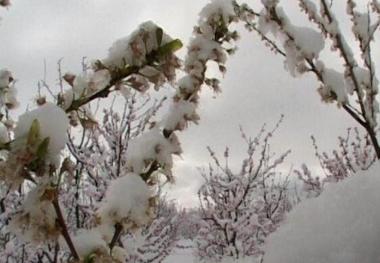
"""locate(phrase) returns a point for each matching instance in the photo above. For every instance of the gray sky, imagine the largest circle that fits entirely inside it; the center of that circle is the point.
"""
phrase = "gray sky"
(256, 88)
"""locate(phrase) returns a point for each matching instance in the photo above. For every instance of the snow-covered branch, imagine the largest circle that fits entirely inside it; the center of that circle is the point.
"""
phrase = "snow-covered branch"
(355, 89)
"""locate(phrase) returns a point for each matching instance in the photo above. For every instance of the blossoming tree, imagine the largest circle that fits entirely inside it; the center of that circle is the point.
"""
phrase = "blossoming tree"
(32, 169)
(240, 209)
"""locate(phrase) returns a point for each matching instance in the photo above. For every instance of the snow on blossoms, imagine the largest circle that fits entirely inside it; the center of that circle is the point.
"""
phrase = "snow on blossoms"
(339, 226)
(127, 202)
(212, 38)
(86, 84)
(179, 114)
(152, 146)
(8, 101)
(4, 135)
(7, 90)
(90, 245)
(148, 53)
(39, 137)
(301, 44)
(132, 50)
(53, 124)
(35, 221)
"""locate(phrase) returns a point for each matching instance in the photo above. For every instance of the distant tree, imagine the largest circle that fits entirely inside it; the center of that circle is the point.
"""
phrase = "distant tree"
(353, 154)
(190, 224)
(153, 243)
(240, 209)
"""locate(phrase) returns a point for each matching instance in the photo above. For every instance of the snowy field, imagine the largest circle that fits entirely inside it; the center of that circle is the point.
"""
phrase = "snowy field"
(181, 255)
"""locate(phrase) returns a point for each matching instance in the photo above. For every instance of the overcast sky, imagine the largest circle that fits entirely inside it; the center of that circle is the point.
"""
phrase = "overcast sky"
(256, 88)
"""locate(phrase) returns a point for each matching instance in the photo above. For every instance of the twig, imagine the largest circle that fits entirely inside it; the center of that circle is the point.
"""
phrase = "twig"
(64, 230)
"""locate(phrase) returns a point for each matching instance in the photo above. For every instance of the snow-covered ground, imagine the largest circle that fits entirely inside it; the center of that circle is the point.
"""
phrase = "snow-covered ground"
(180, 255)
(339, 226)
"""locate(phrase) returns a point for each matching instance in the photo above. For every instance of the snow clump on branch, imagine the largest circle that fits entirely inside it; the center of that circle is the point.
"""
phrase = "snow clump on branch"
(127, 202)
(39, 138)
(211, 42)
(300, 43)
(35, 221)
(150, 146)
(7, 90)
(53, 124)
(133, 49)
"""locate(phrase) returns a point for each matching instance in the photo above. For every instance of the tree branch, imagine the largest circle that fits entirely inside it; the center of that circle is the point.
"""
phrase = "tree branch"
(64, 230)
